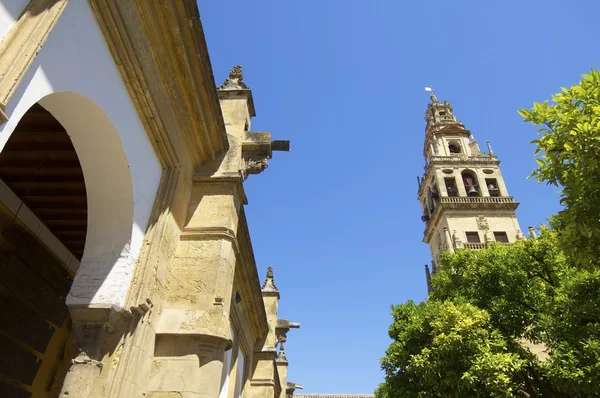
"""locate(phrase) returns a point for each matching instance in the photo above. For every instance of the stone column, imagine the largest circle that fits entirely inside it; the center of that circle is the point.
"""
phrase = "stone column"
(483, 190)
(448, 239)
(500, 180)
(441, 183)
(86, 366)
(96, 334)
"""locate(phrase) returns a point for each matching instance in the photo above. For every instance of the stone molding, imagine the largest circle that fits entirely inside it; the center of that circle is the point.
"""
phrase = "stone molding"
(211, 233)
(249, 272)
(22, 43)
(160, 51)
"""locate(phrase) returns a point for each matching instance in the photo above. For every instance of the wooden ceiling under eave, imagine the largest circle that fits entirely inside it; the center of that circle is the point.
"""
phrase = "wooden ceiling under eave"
(40, 165)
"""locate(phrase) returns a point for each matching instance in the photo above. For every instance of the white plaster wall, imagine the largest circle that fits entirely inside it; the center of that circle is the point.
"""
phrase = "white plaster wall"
(9, 12)
(76, 59)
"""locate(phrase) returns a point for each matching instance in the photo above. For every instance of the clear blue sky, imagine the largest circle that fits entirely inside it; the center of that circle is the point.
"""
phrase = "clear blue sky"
(338, 216)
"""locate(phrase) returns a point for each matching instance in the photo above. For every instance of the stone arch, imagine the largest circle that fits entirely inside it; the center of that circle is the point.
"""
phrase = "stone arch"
(106, 266)
(454, 146)
(109, 197)
(63, 156)
(470, 182)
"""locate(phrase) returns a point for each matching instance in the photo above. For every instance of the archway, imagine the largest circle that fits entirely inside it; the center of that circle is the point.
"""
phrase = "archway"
(106, 265)
(43, 224)
(66, 226)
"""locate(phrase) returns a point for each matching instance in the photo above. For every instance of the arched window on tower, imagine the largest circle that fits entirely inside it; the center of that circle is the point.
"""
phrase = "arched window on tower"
(454, 147)
(451, 186)
(492, 186)
(470, 182)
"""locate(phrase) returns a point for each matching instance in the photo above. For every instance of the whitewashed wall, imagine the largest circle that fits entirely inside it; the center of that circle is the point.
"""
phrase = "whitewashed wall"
(75, 78)
(9, 12)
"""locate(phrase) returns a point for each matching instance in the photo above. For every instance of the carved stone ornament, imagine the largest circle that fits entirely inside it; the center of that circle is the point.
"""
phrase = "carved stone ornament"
(482, 223)
(253, 165)
(235, 81)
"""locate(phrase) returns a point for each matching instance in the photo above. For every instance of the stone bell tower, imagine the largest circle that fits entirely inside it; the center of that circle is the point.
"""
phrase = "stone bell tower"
(462, 193)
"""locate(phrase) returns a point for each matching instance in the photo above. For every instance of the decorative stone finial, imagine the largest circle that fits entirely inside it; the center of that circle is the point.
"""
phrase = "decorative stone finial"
(490, 148)
(269, 286)
(235, 81)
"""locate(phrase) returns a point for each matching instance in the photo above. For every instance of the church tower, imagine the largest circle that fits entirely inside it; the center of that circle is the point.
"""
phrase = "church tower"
(462, 193)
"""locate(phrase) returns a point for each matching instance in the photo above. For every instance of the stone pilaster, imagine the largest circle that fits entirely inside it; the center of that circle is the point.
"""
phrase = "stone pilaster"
(483, 189)
(96, 335)
(449, 244)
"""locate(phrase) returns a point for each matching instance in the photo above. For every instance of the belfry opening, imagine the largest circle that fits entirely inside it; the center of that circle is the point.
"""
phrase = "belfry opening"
(43, 228)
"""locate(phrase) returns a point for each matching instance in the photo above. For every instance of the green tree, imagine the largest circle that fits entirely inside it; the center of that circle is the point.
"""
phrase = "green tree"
(569, 149)
(487, 309)
(447, 349)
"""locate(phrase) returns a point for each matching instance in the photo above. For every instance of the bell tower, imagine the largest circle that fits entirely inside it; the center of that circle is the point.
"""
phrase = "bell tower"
(462, 193)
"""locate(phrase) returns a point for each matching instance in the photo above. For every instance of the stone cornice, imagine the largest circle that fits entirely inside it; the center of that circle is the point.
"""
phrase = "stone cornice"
(256, 305)
(22, 43)
(160, 51)
(232, 178)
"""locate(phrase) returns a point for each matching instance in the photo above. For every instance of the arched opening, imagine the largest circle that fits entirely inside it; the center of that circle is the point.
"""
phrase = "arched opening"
(67, 234)
(470, 182)
(454, 147)
(106, 267)
(43, 224)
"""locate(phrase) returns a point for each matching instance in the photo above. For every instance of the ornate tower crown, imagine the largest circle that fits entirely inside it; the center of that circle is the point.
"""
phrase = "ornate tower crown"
(439, 115)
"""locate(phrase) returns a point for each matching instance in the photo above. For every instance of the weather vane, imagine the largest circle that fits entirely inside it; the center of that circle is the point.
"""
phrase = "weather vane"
(429, 89)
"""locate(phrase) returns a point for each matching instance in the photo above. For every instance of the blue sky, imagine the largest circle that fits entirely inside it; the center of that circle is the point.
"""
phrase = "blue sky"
(338, 217)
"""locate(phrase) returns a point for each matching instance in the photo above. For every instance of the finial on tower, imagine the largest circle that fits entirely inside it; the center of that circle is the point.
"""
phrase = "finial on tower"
(490, 148)
(235, 81)
(269, 287)
(432, 95)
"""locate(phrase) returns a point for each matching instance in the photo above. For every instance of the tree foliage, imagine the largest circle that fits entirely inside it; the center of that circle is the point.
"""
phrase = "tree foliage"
(456, 340)
(521, 320)
(569, 157)
(488, 314)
